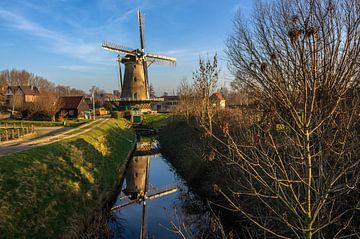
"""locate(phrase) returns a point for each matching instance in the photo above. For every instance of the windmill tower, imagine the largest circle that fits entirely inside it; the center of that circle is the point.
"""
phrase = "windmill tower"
(135, 83)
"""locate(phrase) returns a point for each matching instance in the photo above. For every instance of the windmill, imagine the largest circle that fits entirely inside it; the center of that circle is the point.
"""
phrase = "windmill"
(137, 185)
(135, 85)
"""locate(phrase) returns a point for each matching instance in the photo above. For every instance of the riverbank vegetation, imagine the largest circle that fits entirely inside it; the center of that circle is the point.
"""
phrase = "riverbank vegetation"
(50, 191)
(285, 163)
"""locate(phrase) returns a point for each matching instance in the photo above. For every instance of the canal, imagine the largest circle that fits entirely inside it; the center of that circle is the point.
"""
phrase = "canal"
(154, 201)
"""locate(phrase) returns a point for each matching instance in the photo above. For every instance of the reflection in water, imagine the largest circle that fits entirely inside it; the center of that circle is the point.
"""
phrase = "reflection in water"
(172, 212)
(136, 177)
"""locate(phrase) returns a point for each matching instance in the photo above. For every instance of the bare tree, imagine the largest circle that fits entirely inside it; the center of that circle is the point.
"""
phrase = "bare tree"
(187, 97)
(46, 104)
(296, 173)
(205, 83)
(152, 92)
(62, 90)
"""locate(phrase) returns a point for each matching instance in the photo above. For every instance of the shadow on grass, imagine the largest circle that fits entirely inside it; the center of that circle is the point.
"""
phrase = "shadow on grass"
(46, 191)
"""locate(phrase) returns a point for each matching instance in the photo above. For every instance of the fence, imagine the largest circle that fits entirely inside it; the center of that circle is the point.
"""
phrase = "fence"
(14, 131)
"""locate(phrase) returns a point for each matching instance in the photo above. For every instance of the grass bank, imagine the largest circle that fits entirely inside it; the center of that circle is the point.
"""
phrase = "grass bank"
(47, 190)
(157, 121)
(184, 147)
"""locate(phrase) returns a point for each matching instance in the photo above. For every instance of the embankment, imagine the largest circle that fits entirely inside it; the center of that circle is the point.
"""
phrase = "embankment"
(184, 147)
(46, 191)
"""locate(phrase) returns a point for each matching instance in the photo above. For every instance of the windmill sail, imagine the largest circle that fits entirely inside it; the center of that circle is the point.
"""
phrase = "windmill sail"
(135, 82)
(142, 46)
(143, 231)
(141, 30)
(117, 48)
(158, 59)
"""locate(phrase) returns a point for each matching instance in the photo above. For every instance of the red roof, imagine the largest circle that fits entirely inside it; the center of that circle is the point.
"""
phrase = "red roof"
(70, 102)
(217, 96)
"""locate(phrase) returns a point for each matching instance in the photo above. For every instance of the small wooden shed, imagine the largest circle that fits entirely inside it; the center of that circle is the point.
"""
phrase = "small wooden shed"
(73, 106)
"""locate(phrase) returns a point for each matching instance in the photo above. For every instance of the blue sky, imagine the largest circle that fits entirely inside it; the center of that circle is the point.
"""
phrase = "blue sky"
(61, 39)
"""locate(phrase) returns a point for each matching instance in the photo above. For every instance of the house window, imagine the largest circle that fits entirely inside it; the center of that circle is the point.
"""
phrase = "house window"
(135, 95)
(71, 112)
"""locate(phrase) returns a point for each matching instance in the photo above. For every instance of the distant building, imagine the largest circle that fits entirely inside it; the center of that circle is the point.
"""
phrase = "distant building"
(117, 93)
(21, 95)
(166, 103)
(73, 106)
(218, 100)
(109, 97)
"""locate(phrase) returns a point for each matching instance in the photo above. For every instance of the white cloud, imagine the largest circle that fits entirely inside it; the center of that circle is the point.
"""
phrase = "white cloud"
(122, 17)
(59, 43)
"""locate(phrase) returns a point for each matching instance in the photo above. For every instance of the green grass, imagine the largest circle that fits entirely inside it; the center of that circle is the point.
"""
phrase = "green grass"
(71, 123)
(156, 121)
(78, 130)
(45, 190)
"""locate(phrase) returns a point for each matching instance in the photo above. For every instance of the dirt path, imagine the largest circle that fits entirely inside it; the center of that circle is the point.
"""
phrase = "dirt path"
(15, 147)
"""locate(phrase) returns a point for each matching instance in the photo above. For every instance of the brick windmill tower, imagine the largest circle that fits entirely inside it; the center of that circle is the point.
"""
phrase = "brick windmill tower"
(135, 86)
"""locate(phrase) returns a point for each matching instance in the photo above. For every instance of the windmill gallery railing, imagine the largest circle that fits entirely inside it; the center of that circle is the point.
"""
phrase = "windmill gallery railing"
(15, 131)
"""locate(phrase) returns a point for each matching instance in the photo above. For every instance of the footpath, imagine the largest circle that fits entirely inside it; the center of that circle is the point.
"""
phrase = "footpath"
(50, 136)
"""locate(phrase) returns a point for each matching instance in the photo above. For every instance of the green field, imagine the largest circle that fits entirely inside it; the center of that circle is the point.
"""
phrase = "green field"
(156, 121)
(45, 191)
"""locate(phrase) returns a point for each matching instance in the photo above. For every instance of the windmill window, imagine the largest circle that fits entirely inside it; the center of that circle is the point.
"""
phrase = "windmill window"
(134, 66)
(135, 79)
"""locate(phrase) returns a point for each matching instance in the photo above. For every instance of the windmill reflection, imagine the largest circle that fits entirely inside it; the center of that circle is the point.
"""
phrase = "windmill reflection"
(136, 177)
(137, 183)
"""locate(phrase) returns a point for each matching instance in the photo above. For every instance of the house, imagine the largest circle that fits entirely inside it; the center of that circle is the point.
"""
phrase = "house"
(73, 106)
(218, 100)
(166, 103)
(18, 96)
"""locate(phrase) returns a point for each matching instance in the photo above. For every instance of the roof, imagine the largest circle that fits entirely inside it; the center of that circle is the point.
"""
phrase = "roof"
(217, 96)
(30, 90)
(171, 98)
(70, 102)
(109, 96)
(26, 89)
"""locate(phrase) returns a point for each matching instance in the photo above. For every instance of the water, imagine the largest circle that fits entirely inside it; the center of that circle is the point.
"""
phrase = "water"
(162, 214)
